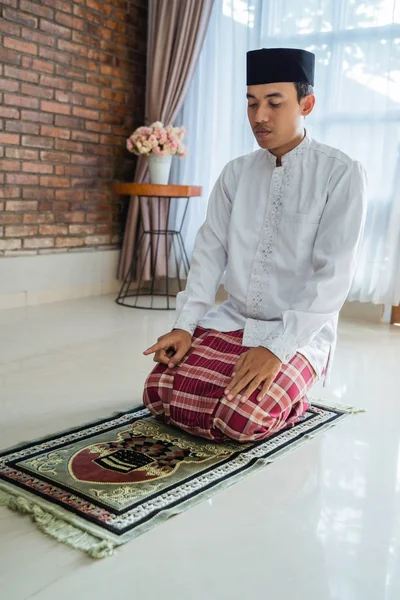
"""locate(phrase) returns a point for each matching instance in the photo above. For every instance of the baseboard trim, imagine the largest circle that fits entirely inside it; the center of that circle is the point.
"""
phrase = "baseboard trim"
(43, 279)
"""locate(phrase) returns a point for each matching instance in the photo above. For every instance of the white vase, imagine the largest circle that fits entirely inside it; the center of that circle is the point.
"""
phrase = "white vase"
(159, 167)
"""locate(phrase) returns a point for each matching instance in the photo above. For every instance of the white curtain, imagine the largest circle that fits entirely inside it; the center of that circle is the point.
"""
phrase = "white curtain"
(357, 45)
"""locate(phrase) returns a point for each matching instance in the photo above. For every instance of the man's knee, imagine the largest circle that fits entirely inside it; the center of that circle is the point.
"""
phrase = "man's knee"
(262, 423)
(253, 432)
(152, 396)
(158, 389)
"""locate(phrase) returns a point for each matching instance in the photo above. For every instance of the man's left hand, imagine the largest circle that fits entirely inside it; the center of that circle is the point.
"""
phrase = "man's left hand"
(256, 367)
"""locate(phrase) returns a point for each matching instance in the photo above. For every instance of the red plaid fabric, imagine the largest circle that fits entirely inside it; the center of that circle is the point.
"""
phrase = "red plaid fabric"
(192, 395)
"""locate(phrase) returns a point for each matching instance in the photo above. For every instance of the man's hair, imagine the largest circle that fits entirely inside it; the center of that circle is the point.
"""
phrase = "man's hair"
(303, 89)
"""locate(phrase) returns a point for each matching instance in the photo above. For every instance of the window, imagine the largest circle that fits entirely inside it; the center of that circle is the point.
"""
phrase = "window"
(357, 47)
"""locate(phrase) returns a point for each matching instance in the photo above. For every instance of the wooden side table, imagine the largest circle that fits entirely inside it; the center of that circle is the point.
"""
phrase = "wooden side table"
(395, 317)
(148, 245)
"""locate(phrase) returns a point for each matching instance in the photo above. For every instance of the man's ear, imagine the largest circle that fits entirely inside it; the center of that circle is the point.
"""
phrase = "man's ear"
(308, 103)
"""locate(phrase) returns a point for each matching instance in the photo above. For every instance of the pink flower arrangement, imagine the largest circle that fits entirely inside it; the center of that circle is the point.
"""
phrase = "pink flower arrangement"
(157, 138)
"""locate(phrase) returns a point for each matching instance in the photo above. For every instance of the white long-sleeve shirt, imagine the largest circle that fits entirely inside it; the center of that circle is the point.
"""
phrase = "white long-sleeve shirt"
(287, 239)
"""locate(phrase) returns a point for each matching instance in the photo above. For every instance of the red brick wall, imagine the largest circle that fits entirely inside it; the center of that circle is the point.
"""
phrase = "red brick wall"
(72, 86)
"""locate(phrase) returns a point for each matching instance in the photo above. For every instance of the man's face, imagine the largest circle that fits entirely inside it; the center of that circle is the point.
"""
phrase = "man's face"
(275, 114)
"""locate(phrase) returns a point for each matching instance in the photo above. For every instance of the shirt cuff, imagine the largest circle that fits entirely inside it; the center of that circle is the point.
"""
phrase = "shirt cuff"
(186, 323)
(278, 347)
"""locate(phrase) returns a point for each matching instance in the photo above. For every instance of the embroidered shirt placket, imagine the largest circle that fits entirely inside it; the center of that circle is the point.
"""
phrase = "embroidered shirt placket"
(263, 263)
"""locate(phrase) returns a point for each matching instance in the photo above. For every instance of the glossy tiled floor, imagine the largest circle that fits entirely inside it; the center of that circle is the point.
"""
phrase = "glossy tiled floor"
(321, 524)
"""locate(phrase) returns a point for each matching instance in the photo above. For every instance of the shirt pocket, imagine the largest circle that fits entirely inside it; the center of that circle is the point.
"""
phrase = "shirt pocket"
(298, 232)
(301, 218)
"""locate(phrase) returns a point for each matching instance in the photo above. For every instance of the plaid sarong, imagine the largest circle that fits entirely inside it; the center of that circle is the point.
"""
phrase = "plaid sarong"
(191, 396)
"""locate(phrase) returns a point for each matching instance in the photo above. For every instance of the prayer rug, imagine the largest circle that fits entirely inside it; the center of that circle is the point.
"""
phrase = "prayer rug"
(98, 486)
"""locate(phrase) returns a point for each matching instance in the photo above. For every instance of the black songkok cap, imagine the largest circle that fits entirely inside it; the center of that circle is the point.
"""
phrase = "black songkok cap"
(274, 65)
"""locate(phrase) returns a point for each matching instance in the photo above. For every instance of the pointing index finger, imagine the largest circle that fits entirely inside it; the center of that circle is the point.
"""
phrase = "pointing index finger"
(153, 349)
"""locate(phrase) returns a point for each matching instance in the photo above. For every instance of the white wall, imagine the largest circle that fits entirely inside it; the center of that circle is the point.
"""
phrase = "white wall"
(30, 280)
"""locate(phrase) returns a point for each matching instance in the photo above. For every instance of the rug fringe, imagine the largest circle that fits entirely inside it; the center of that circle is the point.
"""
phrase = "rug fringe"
(57, 528)
(337, 406)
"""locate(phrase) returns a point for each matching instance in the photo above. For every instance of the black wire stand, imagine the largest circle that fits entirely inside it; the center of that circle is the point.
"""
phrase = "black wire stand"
(149, 245)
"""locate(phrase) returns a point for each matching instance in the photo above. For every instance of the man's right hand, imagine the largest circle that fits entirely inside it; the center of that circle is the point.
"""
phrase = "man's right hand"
(171, 348)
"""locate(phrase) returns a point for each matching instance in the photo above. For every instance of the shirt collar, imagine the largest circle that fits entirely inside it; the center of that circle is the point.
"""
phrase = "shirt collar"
(289, 157)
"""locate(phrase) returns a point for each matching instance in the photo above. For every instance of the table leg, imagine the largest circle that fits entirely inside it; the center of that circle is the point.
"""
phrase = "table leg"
(123, 293)
(185, 258)
(142, 271)
(167, 251)
(177, 265)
